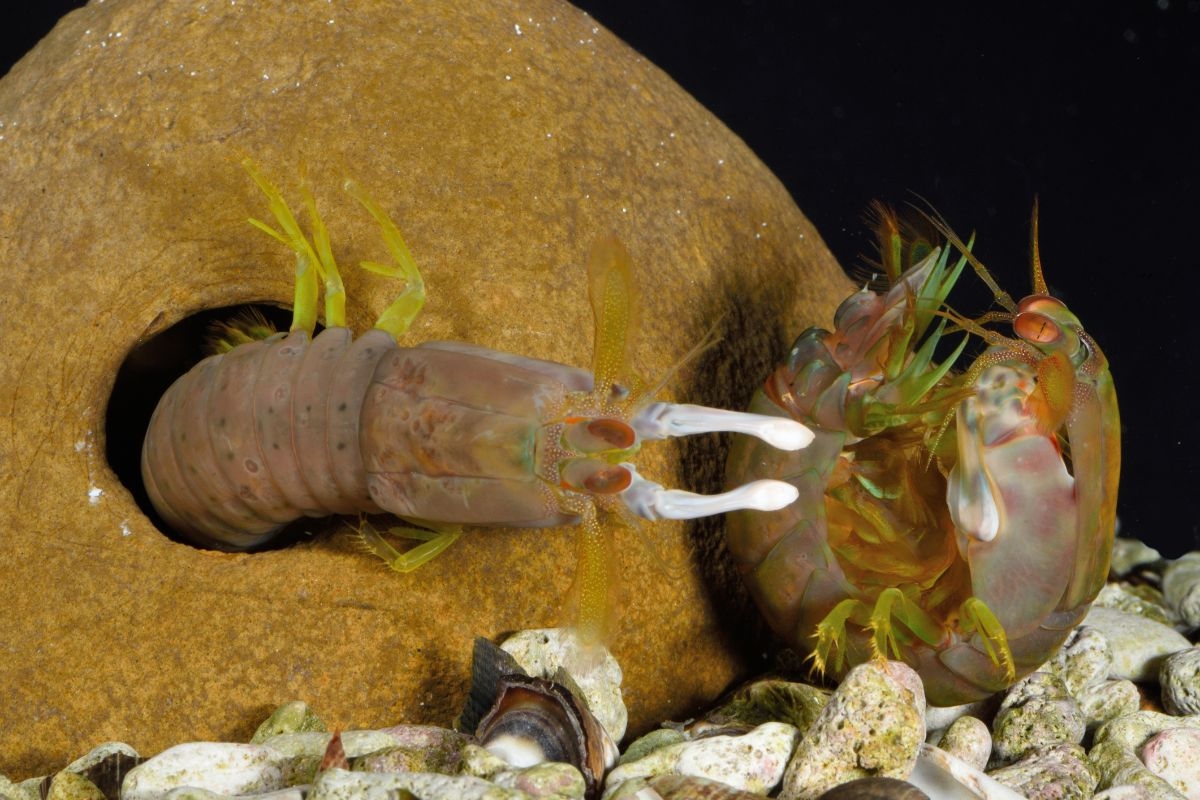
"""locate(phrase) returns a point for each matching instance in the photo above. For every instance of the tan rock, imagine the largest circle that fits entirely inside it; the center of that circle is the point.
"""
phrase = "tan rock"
(503, 137)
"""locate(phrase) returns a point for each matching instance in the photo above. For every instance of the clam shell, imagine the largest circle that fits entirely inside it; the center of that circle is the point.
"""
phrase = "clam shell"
(535, 720)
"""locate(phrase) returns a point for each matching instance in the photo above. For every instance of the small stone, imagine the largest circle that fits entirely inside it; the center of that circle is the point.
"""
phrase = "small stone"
(969, 739)
(555, 780)
(1036, 713)
(872, 726)
(542, 653)
(293, 717)
(1129, 554)
(1139, 645)
(1174, 756)
(220, 767)
(1179, 677)
(753, 761)
(678, 787)
(1108, 700)
(418, 748)
(1145, 601)
(340, 784)
(645, 745)
(1083, 660)
(771, 700)
(1060, 772)
(73, 786)
(875, 789)
(1126, 792)
(1181, 588)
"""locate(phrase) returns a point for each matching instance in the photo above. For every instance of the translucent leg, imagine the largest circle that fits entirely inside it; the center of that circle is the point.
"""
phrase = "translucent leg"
(397, 317)
(893, 604)
(976, 617)
(593, 580)
(831, 634)
(432, 544)
(314, 259)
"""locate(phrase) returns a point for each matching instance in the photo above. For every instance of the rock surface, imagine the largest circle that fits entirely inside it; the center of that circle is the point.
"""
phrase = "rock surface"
(503, 138)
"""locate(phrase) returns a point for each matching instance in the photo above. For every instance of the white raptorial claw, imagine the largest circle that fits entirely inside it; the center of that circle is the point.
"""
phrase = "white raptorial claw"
(651, 500)
(661, 420)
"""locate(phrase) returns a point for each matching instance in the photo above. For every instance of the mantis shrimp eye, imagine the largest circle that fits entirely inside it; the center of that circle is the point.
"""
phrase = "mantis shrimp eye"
(593, 476)
(598, 435)
(1037, 328)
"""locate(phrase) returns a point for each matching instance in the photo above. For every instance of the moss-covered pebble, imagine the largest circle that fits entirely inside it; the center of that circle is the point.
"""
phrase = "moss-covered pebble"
(293, 717)
(1181, 588)
(753, 761)
(1037, 712)
(1179, 677)
(968, 739)
(1060, 772)
(872, 726)
(1083, 660)
(1139, 645)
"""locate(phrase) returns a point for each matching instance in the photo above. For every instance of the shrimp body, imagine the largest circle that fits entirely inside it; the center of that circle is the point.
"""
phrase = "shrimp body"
(961, 522)
(442, 435)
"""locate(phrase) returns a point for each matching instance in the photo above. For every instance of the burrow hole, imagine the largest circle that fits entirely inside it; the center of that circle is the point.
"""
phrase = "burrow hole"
(147, 372)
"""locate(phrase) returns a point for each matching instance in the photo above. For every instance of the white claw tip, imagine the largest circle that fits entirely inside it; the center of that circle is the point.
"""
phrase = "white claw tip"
(650, 500)
(768, 495)
(785, 434)
(660, 420)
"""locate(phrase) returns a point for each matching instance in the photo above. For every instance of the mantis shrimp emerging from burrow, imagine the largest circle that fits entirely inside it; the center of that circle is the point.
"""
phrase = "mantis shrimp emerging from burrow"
(961, 522)
(442, 435)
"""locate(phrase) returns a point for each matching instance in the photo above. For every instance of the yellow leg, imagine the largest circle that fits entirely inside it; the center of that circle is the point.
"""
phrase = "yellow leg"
(593, 580)
(893, 604)
(976, 617)
(831, 634)
(309, 268)
(397, 317)
(433, 543)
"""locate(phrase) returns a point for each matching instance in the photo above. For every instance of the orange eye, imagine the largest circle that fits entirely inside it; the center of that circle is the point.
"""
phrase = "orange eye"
(1039, 302)
(618, 435)
(608, 481)
(1036, 327)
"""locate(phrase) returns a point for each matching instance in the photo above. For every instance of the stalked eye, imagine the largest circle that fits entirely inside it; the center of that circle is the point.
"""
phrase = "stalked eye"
(618, 435)
(595, 477)
(598, 435)
(1040, 303)
(609, 481)
(1037, 328)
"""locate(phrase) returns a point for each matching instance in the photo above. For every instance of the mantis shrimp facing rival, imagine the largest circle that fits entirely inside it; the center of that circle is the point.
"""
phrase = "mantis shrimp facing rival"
(960, 522)
(442, 435)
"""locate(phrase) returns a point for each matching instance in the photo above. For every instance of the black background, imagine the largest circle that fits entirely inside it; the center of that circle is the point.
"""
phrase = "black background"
(977, 107)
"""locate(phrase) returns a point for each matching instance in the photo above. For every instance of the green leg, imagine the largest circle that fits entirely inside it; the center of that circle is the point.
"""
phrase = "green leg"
(976, 617)
(397, 317)
(432, 544)
(831, 634)
(311, 269)
(893, 604)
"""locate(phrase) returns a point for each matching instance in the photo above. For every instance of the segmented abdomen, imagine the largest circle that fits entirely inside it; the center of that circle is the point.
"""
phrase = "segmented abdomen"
(255, 438)
(271, 431)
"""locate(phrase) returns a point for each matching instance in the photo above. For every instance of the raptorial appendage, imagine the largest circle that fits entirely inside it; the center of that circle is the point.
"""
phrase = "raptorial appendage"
(959, 521)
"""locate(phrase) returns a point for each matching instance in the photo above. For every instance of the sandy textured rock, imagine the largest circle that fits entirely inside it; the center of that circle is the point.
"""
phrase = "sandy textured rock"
(504, 138)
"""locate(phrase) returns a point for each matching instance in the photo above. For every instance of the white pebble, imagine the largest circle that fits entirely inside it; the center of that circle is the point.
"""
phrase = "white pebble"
(1180, 680)
(219, 767)
(1139, 645)
(752, 762)
(1174, 756)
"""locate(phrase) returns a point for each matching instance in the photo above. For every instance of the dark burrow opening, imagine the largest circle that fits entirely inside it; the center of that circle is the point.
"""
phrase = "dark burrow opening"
(148, 370)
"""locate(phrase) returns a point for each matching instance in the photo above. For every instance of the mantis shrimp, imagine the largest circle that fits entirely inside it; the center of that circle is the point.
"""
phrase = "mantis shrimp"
(962, 523)
(442, 435)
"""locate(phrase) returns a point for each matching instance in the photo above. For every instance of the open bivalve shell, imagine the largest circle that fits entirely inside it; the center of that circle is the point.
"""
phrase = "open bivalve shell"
(534, 720)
